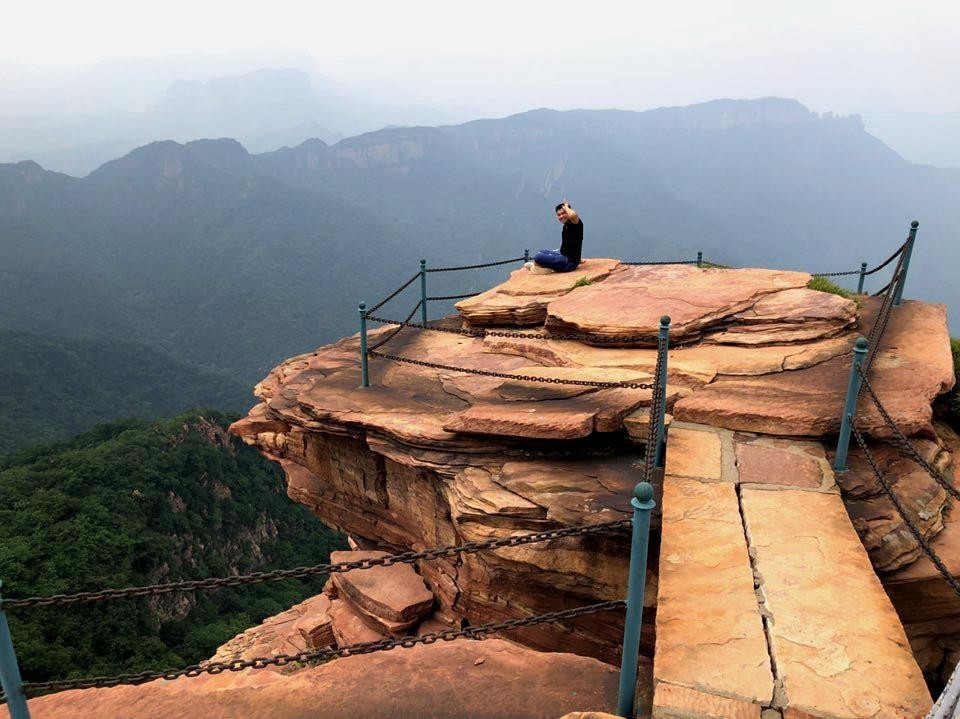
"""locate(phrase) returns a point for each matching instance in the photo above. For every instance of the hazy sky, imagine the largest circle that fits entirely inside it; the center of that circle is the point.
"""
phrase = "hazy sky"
(841, 55)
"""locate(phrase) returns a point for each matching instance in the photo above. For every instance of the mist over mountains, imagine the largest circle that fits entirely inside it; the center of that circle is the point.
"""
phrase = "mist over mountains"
(230, 260)
(264, 109)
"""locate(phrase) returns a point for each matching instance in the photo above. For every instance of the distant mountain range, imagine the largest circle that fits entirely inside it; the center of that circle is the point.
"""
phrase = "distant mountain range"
(231, 261)
(264, 109)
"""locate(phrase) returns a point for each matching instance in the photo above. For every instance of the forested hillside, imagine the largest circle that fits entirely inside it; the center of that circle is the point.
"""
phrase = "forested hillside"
(54, 387)
(138, 502)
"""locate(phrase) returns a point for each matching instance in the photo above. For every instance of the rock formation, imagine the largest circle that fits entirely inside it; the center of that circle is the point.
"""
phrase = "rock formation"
(428, 456)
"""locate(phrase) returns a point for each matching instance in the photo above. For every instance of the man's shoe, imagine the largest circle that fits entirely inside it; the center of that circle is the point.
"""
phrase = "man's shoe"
(538, 270)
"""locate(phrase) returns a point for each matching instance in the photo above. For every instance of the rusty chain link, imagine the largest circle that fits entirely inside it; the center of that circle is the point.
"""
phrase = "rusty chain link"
(911, 525)
(655, 418)
(393, 294)
(300, 572)
(452, 297)
(506, 375)
(476, 267)
(906, 446)
(394, 333)
(481, 333)
(835, 274)
(236, 665)
(890, 259)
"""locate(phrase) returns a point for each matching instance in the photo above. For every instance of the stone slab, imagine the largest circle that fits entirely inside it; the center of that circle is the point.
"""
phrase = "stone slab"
(632, 300)
(710, 633)
(673, 702)
(693, 453)
(758, 464)
(837, 642)
(395, 593)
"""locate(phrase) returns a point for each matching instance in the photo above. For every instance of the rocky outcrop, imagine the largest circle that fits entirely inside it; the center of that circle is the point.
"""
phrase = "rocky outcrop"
(632, 300)
(430, 456)
(491, 679)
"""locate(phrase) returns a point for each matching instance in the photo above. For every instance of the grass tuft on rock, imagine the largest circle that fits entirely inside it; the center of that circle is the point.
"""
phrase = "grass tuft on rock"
(823, 284)
(582, 282)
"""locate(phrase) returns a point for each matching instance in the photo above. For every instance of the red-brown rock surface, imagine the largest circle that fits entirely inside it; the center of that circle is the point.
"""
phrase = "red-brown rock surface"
(390, 599)
(304, 626)
(632, 300)
(492, 679)
(908, 374)
(523, 299)
(427, 457)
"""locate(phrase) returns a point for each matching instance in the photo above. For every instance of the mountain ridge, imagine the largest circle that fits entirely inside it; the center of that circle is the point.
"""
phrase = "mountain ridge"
(183, 234)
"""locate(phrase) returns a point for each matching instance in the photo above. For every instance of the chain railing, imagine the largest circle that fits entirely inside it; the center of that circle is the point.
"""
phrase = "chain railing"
(866, 348)
(282, 660)
(15, 691)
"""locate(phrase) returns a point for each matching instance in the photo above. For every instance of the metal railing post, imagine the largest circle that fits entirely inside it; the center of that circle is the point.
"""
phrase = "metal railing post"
(643, 504)
(526, 256)
(863, 276)
(898, 296)
(660, 457)
(423, 292)
(364, 373)
(850, 405)
(10, 671)
(700, 258)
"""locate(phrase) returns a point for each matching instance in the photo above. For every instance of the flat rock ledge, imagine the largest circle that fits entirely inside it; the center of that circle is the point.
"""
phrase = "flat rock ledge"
(632, 300)
(492, 679)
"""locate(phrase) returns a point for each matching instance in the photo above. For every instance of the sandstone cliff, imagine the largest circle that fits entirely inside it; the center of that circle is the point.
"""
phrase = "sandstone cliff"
(760, 594)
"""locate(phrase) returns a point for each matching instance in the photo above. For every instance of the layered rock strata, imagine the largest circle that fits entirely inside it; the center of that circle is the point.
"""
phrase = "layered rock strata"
(429, 456)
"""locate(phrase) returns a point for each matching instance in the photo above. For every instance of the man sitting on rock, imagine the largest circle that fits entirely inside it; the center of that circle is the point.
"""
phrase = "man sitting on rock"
(567, 257)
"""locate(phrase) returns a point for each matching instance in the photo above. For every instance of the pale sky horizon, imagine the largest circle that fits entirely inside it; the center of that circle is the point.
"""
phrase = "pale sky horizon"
(504, 56)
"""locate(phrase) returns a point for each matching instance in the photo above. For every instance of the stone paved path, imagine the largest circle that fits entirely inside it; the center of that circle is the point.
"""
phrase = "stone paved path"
(767, 602)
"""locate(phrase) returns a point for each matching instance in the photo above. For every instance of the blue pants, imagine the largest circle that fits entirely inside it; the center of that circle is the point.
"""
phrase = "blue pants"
(554, 260)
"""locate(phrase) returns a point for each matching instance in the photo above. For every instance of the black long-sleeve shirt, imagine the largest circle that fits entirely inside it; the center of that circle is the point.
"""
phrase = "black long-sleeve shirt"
(572, 243)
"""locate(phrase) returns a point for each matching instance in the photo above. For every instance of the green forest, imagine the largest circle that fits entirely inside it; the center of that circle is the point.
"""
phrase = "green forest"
(137, 502)
(54, 387)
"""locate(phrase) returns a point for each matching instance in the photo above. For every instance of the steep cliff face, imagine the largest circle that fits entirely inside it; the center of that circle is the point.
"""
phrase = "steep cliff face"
(427, 457)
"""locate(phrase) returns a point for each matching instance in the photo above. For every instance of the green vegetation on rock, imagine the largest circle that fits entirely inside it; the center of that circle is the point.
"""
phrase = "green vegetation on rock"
(824, 284)
(137, 502)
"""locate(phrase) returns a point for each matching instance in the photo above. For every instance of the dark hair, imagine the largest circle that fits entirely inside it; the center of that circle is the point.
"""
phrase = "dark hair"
(558, 207)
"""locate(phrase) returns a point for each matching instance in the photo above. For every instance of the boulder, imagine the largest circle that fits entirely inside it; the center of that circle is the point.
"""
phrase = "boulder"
(392, 598)
(632, 300)
(795, 315)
